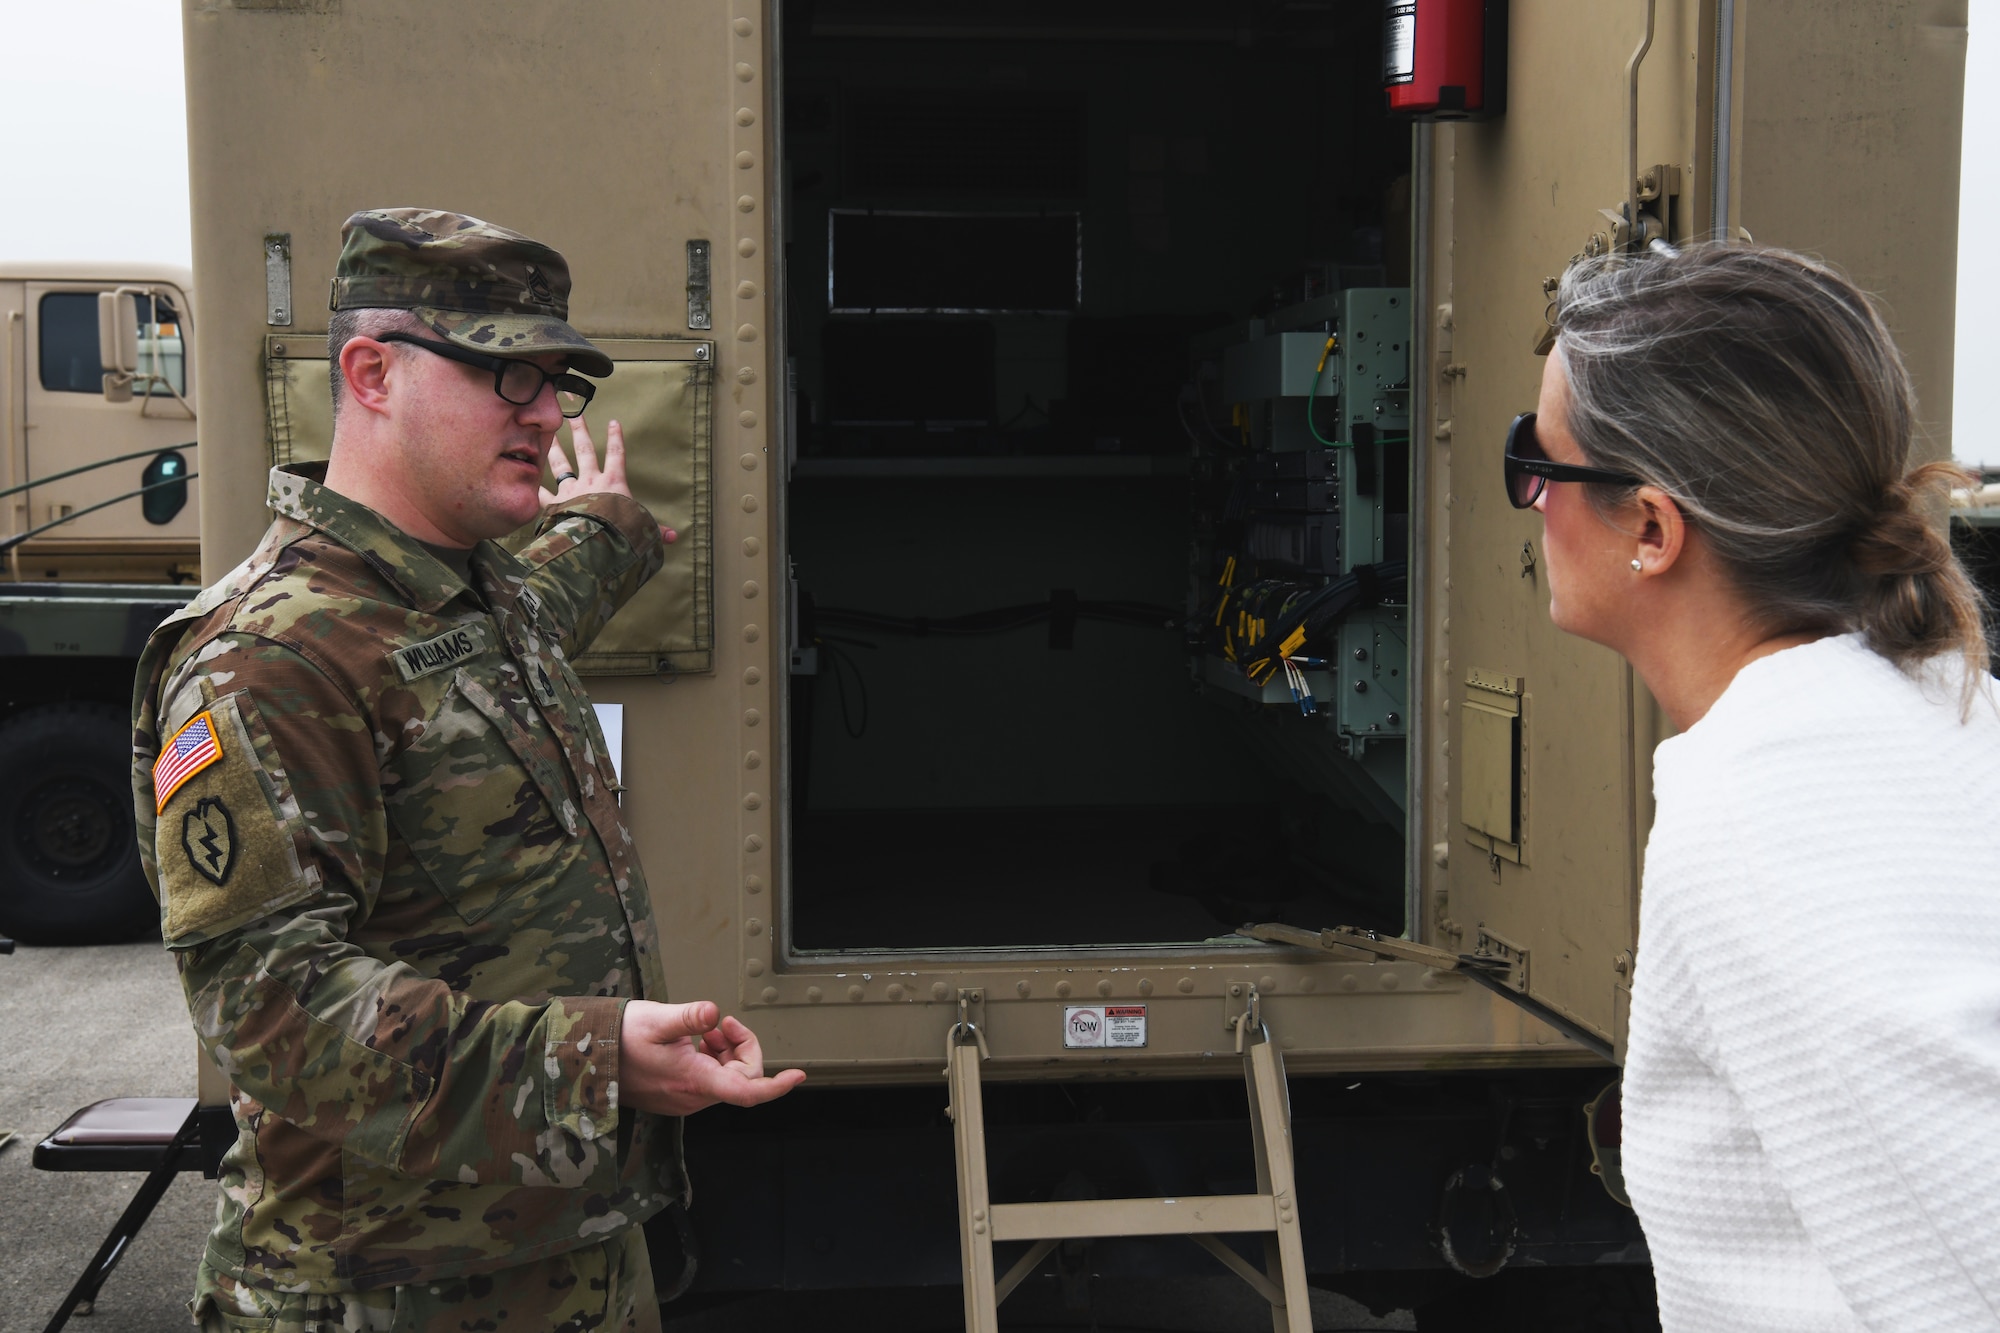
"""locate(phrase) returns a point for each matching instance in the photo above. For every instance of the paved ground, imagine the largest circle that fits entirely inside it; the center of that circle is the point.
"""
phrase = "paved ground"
(84, 1024)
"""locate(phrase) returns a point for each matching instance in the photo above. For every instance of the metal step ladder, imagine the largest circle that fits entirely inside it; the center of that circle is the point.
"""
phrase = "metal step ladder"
(1271, 1211)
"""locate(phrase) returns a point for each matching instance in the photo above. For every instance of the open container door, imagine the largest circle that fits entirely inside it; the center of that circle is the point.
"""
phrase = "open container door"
(1544, 742)
(1537, 744)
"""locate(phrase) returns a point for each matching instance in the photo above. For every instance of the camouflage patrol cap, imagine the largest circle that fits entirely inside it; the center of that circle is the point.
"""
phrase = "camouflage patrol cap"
(482, 287)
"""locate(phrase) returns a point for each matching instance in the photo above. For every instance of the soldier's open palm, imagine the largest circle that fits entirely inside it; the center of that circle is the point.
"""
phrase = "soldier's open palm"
(678, 1058)
(588, 475)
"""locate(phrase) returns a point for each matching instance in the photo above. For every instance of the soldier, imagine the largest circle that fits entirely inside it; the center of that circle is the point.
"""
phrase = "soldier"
(383, 827)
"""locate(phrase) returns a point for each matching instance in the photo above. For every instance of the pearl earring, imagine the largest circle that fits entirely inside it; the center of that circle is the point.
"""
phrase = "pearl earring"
(1635, 564)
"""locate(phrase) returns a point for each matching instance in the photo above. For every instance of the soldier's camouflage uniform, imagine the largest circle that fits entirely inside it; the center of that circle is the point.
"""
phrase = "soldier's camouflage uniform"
(407, 917)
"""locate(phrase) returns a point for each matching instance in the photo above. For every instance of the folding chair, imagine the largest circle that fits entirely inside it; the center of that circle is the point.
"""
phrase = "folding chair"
(162, 1136)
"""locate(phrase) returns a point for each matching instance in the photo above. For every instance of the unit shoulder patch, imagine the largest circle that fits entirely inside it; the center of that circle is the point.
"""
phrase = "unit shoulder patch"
(208, 836)
(442, 653)
(229, 850)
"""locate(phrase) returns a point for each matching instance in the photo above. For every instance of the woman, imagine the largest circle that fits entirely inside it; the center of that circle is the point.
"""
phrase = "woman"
(1812, 1086)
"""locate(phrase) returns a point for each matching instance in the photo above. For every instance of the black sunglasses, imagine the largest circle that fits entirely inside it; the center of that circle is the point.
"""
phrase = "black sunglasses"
(517, 382)
(1530, 469)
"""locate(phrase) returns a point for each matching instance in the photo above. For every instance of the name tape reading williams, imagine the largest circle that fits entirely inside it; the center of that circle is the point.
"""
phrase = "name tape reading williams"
(445, 651)
(1104, 1025)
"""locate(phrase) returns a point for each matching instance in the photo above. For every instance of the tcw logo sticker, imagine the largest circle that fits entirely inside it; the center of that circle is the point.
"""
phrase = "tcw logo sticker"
(1094, 1027)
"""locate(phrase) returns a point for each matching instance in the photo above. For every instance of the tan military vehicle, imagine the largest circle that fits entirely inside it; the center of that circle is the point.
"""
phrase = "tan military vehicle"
(1096, 585)
(99, 540)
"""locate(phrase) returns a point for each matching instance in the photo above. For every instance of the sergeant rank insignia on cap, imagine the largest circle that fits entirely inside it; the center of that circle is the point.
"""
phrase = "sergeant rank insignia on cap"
(193, 748)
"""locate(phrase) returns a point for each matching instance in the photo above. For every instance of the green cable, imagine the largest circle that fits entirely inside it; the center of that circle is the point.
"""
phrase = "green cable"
(1312, 395)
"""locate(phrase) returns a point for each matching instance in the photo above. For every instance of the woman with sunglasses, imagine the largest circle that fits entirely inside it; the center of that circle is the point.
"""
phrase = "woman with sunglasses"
(1812, 1085)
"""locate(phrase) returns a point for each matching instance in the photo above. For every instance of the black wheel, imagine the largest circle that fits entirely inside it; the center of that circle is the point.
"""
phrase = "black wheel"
(69, 860)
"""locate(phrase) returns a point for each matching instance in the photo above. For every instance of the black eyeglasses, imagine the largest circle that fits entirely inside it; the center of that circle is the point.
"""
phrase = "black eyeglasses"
(517, 382)
(1530, 469)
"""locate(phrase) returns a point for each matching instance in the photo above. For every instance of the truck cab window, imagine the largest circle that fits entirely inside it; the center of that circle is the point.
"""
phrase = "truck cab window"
(69, 361)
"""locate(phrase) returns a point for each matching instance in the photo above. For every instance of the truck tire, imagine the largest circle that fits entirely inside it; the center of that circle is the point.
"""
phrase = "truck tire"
(69, 860)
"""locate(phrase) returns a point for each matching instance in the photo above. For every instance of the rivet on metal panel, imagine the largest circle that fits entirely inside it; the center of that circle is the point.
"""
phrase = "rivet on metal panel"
(856, 993)
(1185, 985)
(751, 633)
(814, 994)
(745, 116)
(753, 760)
(748, 463)
(746, 333)
(751, 546)
(1063, 989)
(1308, 984)
(1350, 983)
(750, 589)
(1441, 855)
(1235, 990)
(746, 247)
(744, 73)
(746, 419)
(745, 161)
(746, 290)
(753, 927)
(742, 27)
(746, 374)
(1021, 988)
(746, 203)
(755, 967)
(895, 991)
(753, 843)
(1104, 987)
(1267, 982)
(1145, 985)
(753, 801)
(1390, 981)
(1430, 981)
(770, 995)
(749, 504)
(753, 884)
(939, 990)
(751, 675)
(751, 717)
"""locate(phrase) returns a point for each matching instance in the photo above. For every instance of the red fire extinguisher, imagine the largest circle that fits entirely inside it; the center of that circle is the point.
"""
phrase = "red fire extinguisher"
(1445, 59)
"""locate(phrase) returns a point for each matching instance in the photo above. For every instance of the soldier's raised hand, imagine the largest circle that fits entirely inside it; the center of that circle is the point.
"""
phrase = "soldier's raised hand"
(677, 1058)
(588, 475)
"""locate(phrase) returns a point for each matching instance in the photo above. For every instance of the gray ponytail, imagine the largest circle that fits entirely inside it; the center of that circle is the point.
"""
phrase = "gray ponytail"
(1762, 391)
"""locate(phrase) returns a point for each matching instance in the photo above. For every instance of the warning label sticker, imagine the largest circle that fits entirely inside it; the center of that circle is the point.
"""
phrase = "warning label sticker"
(1122, 1025)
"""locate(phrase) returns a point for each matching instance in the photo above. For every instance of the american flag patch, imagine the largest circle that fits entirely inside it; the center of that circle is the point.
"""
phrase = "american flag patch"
(193, 748)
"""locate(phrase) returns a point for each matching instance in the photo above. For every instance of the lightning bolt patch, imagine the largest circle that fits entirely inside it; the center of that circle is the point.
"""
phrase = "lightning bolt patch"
(208, 836)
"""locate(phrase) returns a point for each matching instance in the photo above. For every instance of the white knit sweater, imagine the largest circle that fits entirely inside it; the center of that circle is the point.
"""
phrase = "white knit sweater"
(1812, 1084)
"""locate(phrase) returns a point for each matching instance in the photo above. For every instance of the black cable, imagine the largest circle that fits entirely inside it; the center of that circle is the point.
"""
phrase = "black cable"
(842, 663)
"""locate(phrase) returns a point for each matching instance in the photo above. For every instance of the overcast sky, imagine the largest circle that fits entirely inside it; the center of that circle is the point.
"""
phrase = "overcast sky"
(101, 172)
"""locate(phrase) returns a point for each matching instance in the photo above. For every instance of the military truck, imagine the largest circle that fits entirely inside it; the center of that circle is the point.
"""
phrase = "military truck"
(1101, 716)
(100, 535)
